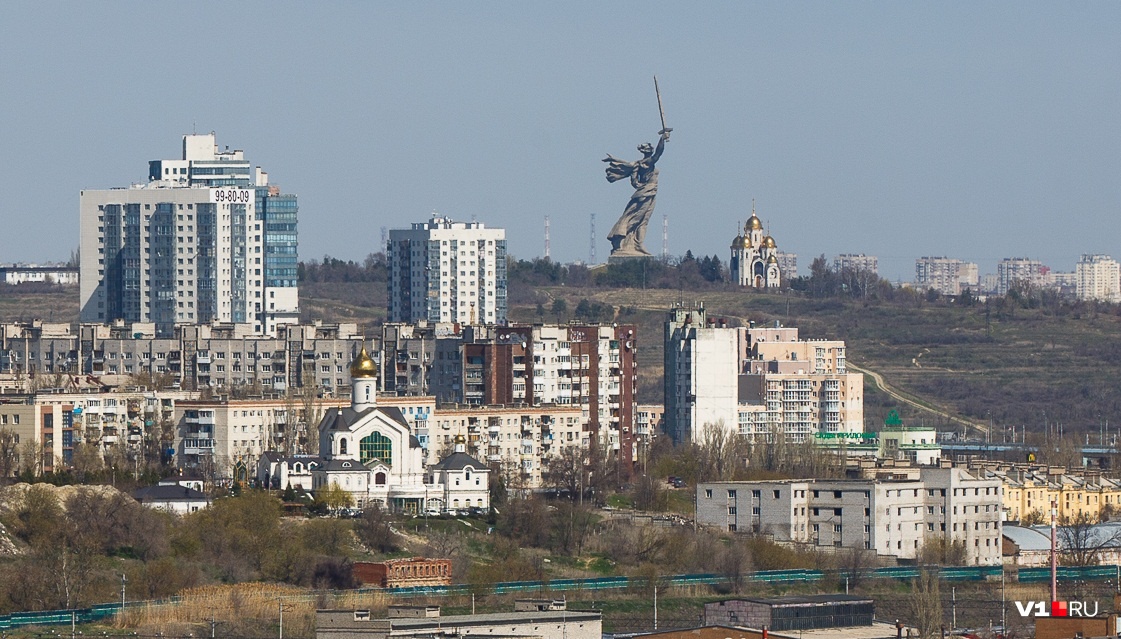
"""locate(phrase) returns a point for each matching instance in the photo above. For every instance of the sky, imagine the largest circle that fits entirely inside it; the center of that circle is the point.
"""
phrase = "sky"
(975, 130)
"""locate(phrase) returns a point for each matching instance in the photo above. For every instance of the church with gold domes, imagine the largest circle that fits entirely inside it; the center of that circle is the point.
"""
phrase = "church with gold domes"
(371, 452)
(754, 260)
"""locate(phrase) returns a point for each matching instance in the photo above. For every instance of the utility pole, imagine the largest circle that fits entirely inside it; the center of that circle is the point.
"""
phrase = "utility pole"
(124, 581)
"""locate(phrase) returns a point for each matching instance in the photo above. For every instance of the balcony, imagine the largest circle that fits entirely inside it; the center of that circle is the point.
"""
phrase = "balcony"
(198, 447)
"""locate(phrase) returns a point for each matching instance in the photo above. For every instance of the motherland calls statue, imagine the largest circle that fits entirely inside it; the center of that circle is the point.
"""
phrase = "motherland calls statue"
(627, 234)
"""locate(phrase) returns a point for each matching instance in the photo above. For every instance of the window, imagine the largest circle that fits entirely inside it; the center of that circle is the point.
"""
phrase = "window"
(708, 492)
(375, 446)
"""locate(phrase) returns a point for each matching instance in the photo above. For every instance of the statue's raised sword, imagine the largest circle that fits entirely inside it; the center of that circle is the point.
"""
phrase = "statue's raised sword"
(665, 129)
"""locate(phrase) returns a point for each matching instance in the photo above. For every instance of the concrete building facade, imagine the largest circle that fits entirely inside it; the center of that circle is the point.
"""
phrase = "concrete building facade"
(856, 262)
(946, 275)
(1098, 277)
(893, 518)
(445, 271)
(756, 381)
(206, 239)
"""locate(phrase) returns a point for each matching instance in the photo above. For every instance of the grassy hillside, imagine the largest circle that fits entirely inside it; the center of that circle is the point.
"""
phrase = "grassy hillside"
(1016, 365)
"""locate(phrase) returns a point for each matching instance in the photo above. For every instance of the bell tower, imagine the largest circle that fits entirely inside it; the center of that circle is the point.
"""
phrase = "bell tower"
(363, 376)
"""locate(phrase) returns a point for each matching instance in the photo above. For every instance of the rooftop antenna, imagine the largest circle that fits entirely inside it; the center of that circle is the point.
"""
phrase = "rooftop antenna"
(546, 237)
(592, 243)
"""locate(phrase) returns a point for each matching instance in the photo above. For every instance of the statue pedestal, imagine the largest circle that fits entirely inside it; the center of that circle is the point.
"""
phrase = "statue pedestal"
(627, 258)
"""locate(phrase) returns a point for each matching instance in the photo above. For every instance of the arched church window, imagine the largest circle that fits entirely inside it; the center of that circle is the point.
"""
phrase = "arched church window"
(367, 393)
(379, 479)
(342, 446)
(376, 446)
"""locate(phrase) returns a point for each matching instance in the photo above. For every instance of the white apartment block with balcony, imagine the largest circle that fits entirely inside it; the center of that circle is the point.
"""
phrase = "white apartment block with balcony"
(892, 517)
(445, 271)
(1098, 277)
(756, 381)
(946, 275)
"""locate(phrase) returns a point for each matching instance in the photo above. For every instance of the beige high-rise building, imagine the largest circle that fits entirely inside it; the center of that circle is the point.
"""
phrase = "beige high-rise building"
(1098, 277)
(946, 275)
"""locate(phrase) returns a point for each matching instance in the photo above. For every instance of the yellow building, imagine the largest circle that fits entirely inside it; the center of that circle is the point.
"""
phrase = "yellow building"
(1029, 491)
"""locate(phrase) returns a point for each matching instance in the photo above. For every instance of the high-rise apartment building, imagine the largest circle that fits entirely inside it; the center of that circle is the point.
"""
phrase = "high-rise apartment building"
(756, 381)
(1098, 277)
(856, 262)
(206, 239)
(787, 265)
(946, 275)
(445, 271)
(1019, 269)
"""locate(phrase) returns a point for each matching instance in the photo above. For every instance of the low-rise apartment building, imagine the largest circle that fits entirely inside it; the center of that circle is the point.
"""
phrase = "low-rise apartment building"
(1029, 491)
(519, 441)
(891, 517)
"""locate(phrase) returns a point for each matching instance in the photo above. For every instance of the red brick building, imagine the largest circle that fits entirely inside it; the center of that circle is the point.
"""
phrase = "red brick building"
(404, 573)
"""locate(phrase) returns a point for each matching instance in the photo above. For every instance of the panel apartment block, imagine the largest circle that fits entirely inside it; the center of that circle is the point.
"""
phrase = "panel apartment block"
(893, 518)
(445, 271)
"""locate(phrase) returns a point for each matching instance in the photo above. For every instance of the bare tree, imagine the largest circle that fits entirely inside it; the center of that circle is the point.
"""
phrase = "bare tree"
(649, 493)
(1082, 542)
(373, 530)
(9, 455)
(563, 472)
(735, 560)
(311, 412)
(925, 604)
(721, 453)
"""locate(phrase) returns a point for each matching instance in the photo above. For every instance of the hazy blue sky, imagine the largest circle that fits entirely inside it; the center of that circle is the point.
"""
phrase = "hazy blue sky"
(973, 130)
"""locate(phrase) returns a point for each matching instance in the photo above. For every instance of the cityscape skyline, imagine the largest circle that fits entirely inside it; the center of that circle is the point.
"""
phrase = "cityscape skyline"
(894, 131)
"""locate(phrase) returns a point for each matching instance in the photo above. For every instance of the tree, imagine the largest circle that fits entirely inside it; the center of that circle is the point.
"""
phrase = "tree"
(373, 530)
(925, 604)
(335, 497)
(9, 455)
(560, 309)
(649, 493)
(1082, 542)
(572, 524)
(563, 472)
(735, 561)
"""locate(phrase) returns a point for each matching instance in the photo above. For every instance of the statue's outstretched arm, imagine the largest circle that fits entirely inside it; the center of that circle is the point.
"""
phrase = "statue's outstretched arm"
(658, 149)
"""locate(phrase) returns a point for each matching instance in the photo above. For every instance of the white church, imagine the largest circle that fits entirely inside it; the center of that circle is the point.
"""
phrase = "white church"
(754, 260)
(370, 452)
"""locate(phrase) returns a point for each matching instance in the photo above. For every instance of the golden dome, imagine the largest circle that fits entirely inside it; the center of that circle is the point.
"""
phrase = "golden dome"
(363, 366)
(772, 259)
(753, 224)
(737, 243)
(769, 242)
